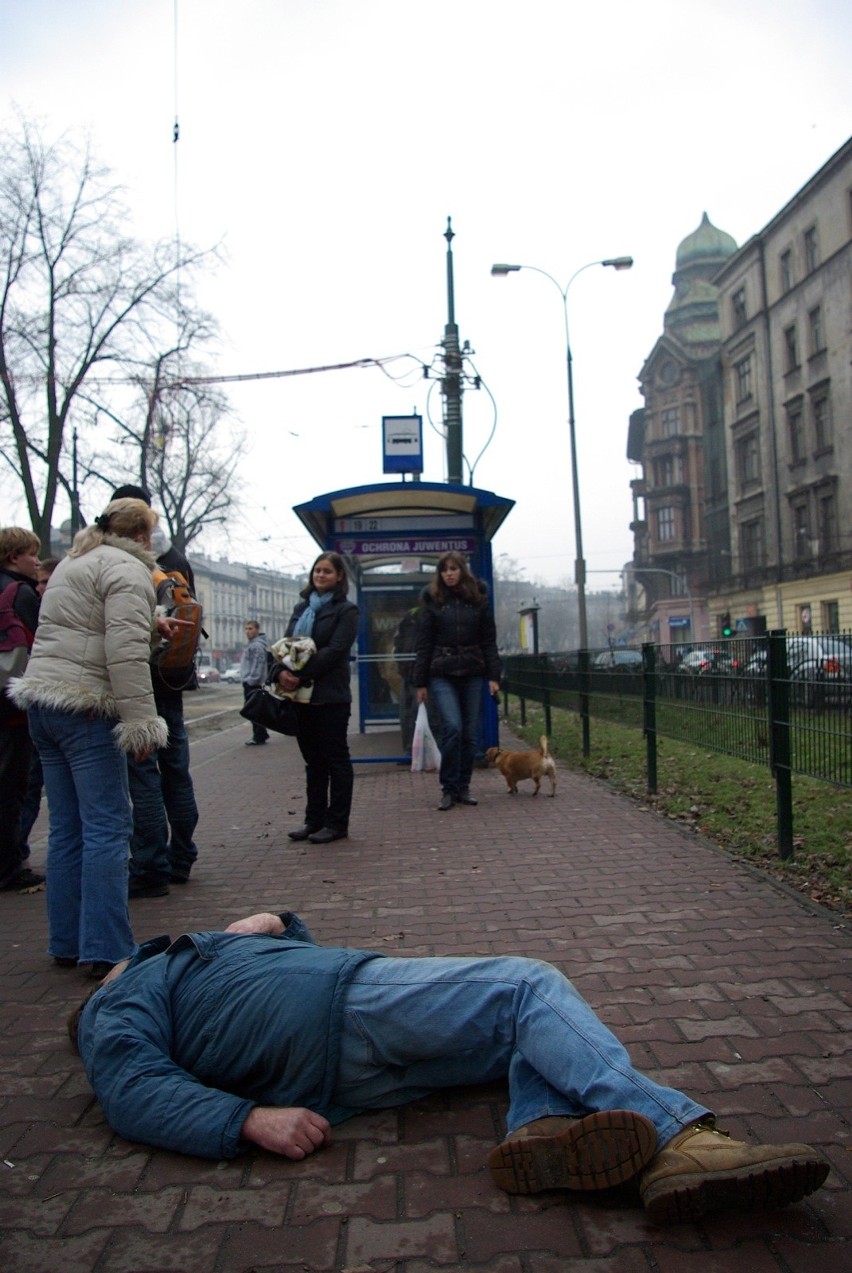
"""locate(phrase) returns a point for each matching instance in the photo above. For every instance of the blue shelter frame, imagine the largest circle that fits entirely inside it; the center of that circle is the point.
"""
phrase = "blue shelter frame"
(391, 535)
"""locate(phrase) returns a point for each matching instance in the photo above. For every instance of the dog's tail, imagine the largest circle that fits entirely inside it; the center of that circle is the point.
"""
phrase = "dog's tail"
(542, 744)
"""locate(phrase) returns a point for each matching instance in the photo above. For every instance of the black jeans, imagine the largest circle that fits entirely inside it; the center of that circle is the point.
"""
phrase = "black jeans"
(323, 742)
(15, 751)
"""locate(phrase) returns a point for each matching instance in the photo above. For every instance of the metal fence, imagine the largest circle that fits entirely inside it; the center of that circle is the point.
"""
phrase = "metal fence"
(780, 700)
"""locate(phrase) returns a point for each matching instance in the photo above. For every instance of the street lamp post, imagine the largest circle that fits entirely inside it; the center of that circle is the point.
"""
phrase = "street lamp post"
(617, 263)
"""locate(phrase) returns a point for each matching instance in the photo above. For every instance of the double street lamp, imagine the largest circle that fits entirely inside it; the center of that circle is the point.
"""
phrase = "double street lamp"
(616, 263)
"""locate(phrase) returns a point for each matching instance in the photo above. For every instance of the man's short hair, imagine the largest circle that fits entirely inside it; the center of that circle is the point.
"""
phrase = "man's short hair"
(133, 492)
(252, 623)
(14, 539)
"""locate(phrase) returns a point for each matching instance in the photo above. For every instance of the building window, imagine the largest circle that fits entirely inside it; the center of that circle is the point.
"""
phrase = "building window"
(827, 524)
(796, 432)
(816, 330)
(748, 459)
(830, 616)
(665, 525)
(664, 471)
(738, 305)
(801, 532)
(751, 544)
(670, 421)
(811, 250)
(742, 371)
(791, 350)
(786, 263)
(822, 421)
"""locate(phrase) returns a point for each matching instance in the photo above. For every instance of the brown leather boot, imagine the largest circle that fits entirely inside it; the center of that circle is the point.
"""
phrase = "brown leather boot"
(593, 1152)
(703, 1169)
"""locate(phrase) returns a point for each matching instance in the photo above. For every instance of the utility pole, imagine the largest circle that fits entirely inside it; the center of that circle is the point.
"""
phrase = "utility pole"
(452, 381)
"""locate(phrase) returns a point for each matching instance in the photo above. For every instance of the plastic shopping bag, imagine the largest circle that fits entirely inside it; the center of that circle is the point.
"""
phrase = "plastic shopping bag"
(425, 756)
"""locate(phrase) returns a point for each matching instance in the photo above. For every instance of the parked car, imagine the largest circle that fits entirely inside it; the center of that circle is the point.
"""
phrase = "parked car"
(708, 659)
(618, 657)
(232, 674)
(819, 669)
(206, 673)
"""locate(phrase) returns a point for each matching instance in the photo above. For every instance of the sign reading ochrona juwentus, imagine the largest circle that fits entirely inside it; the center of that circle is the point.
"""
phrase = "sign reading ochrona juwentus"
(401, 546)
(402, 443)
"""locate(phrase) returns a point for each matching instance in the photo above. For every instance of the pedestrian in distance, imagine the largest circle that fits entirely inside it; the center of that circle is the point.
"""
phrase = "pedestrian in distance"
(456, 650)
(257, 1036)
(253, 671)
(331, 621)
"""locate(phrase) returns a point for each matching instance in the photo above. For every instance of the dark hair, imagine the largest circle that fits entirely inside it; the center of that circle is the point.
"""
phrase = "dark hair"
(341, 588)
(467, 587)
(132, 492)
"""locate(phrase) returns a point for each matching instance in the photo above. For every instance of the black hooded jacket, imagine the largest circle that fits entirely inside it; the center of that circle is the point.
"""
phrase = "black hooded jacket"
(458, 638)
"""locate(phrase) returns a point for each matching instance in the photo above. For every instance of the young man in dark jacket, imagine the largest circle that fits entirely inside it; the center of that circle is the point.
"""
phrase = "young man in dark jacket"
(256, 1035)
(165, 813)
(19, 563)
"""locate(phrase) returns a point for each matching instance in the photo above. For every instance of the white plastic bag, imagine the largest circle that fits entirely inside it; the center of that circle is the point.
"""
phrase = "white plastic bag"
(425, 756)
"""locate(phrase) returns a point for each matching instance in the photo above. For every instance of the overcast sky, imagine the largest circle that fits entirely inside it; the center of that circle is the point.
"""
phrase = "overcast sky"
(325, 142)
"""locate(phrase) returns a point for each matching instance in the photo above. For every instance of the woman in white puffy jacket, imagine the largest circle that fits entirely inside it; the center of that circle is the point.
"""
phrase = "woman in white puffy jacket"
(87, 691)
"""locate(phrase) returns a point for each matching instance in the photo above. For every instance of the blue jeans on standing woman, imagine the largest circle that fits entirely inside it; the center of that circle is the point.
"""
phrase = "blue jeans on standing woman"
(458, 699)
(85, 777)
(412, 1026)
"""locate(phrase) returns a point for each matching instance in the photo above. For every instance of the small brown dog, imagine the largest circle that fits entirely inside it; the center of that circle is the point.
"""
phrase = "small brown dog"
(515, 766)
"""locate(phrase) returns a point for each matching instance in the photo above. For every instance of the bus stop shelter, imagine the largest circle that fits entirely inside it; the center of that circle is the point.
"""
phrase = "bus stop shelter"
(391, 535)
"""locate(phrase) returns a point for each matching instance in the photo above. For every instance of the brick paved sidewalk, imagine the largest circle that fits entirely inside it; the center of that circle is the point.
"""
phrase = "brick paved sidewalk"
(716, 979)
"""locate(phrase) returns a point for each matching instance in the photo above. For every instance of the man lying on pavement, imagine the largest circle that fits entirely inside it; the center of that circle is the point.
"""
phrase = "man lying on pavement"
(256, 1035)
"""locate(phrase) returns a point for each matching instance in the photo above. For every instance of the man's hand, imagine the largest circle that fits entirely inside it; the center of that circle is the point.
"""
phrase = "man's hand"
(422, 694)
(264, 922)
(292, 1131)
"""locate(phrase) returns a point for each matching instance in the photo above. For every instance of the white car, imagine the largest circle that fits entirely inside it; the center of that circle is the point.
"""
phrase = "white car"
(232, 674)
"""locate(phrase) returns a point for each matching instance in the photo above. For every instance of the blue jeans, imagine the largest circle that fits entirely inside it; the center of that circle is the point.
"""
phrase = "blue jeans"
(458, 700)
(85, 777)
(412, 1026)
(165, 813)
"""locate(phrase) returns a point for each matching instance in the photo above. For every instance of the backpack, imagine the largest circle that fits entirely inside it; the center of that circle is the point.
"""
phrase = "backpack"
(16, 640)
(174, 658)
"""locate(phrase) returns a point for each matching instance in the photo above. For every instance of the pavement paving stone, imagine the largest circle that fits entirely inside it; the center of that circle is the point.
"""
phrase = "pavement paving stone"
(721, 983)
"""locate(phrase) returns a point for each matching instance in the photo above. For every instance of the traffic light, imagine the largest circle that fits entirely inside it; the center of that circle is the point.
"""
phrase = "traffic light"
(727, 627)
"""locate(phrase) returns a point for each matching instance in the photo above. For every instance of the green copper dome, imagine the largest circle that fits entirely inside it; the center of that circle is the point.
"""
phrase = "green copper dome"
(705, 246)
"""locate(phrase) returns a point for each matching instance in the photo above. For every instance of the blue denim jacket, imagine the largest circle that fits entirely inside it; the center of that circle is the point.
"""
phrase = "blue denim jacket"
(195, 1033)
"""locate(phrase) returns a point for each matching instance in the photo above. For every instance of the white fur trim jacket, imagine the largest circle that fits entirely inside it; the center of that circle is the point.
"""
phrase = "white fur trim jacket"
(93, 643)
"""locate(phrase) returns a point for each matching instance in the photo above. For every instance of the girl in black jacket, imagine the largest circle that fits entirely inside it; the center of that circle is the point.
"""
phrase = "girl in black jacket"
(456, 648)
(331, 621)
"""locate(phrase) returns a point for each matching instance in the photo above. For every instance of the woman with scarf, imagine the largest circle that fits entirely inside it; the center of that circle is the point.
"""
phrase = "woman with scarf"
(456, 650)
(331, 622)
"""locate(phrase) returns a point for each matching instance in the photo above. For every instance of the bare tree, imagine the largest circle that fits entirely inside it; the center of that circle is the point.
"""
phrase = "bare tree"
(77, 297)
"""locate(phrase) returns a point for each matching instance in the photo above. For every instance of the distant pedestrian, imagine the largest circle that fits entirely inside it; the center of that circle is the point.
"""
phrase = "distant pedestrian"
(253, 669)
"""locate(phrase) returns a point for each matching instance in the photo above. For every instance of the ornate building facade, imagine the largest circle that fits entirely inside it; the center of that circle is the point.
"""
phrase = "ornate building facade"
(744, 502)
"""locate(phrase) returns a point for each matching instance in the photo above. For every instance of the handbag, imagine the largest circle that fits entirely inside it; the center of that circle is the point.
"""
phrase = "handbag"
(425, 756)
(263, 707)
